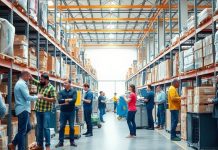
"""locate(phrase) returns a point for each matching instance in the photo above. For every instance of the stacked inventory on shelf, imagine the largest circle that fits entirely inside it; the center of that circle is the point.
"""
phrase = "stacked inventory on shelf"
(37, 46)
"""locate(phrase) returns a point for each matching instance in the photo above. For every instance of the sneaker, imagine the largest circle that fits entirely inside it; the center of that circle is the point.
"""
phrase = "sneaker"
(85, 133)
(73, 144)
(89, 135)
(11, 146)
(59, 145)
(157, 127)
(175, 139)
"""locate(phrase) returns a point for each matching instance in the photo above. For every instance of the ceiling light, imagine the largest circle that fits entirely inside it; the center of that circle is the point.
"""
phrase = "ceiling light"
(110, 26)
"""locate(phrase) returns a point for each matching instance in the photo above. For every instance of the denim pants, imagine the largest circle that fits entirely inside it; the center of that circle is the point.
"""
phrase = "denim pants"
(131, 122)
(174, 122)
(115, 106)
(88, 119)
(64, 117)
(150, 118)
(24, 127)
(43, 124)
(161, 115)
(101, 113)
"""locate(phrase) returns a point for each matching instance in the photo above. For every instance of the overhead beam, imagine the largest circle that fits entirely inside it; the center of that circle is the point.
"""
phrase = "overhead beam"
(63, 7)
(109, 45)
(115, 19)
(118, 30)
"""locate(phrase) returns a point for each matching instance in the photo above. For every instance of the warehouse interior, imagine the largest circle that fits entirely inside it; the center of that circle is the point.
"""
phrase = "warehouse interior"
(110, 45)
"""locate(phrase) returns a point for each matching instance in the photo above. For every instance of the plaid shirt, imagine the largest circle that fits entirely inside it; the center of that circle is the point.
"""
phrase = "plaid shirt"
(48, 91)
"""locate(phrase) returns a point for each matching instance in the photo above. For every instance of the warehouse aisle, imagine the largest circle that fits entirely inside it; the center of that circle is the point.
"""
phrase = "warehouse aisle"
(112, 137)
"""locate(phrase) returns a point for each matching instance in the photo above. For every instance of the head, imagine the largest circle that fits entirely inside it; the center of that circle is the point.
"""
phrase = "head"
(115, 94)
(149, 87)
(86, 86)
(67, 84)
(25, 75)
(132, 88)
(44, 80)
(175, 83)
(101, 93)
(158, 89)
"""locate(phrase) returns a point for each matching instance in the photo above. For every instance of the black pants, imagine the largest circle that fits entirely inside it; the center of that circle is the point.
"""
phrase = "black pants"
(150, 118)
(131, 122)
(88, 120)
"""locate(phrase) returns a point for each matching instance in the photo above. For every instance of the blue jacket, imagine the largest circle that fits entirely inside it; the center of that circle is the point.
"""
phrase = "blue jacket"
(150, 97)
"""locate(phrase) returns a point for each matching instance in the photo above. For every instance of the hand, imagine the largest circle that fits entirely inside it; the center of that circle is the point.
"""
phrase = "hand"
(40, 96)
(183, 98)
(145, 100)
(210, 100)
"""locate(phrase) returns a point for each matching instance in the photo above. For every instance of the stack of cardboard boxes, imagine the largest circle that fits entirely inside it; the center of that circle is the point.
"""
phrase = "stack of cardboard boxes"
(202, 95)
(51, 64)
(21, 48)
(190, 100)
(204, 15)
(198, 54)
(188, 59)
(43, 57)
(175, 65)
(208, 50)
(3, 137)
(32, 58)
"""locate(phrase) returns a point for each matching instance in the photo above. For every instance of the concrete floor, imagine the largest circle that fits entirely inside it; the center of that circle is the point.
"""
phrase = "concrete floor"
(112, 137)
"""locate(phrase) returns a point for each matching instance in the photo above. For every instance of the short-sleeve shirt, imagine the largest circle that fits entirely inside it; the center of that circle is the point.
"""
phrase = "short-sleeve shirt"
(132, 102)
(88, 96)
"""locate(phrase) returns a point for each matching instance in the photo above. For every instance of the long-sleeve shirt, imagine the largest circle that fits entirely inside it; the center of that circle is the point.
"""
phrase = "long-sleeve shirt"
(101, 102)
(2, 107)
(22, 97)
(161, 97)
(47, 91)
(70, 94)
(150, 97)
(173, 99)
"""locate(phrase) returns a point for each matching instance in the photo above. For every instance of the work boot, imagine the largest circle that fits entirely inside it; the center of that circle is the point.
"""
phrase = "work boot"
(59, 145)
(85, 133)
(175, 139)
(11, 146)
(73, 144)
(89, 135)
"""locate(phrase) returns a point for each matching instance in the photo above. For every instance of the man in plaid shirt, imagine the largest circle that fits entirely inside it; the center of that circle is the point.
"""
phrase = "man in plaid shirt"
(43, 109)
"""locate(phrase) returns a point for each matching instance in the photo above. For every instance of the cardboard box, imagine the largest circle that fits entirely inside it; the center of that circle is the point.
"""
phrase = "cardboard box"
(199, 63)
(32, 58)
(20, 40)
(201, 108)
(204, 90)
(202, 99)
(4, 143)
(198, 45)
(21, 51)
(183, 108)
(208, 40)
(190, 92)
(43, 57)
(207, 50)
(51, 63)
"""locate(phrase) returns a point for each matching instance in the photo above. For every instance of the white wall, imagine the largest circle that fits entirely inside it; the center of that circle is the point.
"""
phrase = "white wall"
(111, 64)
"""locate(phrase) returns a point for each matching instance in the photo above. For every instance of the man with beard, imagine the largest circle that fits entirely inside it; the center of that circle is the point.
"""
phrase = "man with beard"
(43, 109)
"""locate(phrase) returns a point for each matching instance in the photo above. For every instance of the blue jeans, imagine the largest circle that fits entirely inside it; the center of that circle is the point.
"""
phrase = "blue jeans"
(131, 122)
(174, 122)
(88, 119)
(24, 127)
(115, 106)
(161, 115)
(101, 113)
(150, 118)
(43, 123)
(64, 117)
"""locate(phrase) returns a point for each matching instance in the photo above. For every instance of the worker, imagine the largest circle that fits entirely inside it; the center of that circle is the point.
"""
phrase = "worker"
(105, 101)
(149, 101)
(22, 110)
(115, 99)
(2, 107)
(174, 102)
(131, 100)
(43, 110)
(161, 103)
(67, 99)
(87, 106)
(101, 105)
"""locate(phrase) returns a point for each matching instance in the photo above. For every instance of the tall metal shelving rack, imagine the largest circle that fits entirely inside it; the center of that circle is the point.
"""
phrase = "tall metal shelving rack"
(170, 50)
(25, 26)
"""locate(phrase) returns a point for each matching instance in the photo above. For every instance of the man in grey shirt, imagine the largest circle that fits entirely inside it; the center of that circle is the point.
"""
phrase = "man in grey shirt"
(22, 110)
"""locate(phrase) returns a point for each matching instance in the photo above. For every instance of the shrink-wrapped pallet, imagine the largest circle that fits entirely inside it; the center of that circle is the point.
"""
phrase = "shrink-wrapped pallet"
(23, 4)
(33, 9)
(7, 33)
(204, 15)
(43, 11)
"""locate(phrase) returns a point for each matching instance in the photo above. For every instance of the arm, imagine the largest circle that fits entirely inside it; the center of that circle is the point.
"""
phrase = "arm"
(89, 98)
(34, 81)
(2, 108)
(162, 98)
(25, 92)
(174, 95)
(60, 98)
(73, 98)
(127, 99)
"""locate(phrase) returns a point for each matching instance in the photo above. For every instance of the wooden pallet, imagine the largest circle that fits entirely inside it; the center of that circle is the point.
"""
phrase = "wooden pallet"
(204, 21)
(20, 8)
(32, 68)
(20, 61)
(5, 57)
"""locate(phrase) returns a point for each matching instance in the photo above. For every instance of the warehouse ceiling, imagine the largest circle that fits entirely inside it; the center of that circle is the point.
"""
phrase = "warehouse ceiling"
(118, 22)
